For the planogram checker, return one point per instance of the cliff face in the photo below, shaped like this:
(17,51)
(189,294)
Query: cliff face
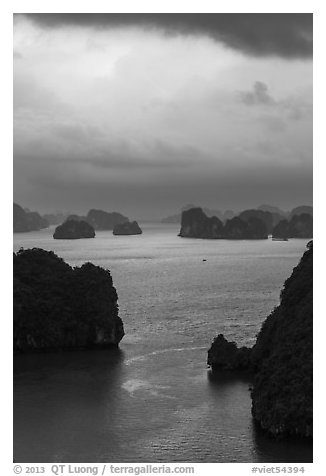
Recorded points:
(195,224)
(128,228)
(281,360)
(251,229)
(266,217)
(27,221)
(225,355)
(208,212)
(60,307)
(73,230)
(281,230)
(299,226)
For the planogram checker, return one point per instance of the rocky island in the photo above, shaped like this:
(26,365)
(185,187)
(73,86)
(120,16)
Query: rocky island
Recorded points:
(73,230)
(281,231)
(27,221)
(270,219)
(195,224)
(172,219)
(307,209)
(298,226)
(281,361)
(57,307)
(101,220)
(127,228)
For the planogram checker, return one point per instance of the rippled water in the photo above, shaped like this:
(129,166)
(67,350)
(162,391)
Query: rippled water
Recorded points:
(154,400)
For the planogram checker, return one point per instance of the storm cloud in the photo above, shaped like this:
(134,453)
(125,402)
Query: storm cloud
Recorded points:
(285,35)
(259,95)
(144,114)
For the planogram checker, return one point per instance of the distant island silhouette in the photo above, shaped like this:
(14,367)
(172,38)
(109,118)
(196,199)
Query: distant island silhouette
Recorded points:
(26,220)
(176,218)
(100,219)
(195,224)
(253,224)
(73,230)
(127,228)
(298,226)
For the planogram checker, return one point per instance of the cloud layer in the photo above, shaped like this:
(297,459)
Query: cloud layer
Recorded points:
(285,35)
(141,121)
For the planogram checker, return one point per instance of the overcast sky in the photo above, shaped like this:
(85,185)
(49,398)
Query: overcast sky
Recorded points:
(144,113)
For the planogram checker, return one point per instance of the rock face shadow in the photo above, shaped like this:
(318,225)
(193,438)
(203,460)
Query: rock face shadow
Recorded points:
(288,450)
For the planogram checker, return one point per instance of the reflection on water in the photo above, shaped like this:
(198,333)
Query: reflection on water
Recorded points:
(227,377)
(265,448)
(155,400)
(91,406)
(271,450)
(60,400)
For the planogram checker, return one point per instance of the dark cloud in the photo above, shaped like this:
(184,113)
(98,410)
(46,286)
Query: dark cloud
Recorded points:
(293,108)
(146,129)
(287,35)
(259,95)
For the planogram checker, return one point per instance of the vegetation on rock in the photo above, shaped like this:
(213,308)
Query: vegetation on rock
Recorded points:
(27,221)
(281,359)
(60,307)
(195,224)
(302,209)
(268,218)
(101,220)
(299,226)
(127,228)
(225,355)
(73,230)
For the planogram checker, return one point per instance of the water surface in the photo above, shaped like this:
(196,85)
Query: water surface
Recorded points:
(154,400)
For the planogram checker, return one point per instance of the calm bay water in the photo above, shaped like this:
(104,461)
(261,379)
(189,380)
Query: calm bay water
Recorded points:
(154,399)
